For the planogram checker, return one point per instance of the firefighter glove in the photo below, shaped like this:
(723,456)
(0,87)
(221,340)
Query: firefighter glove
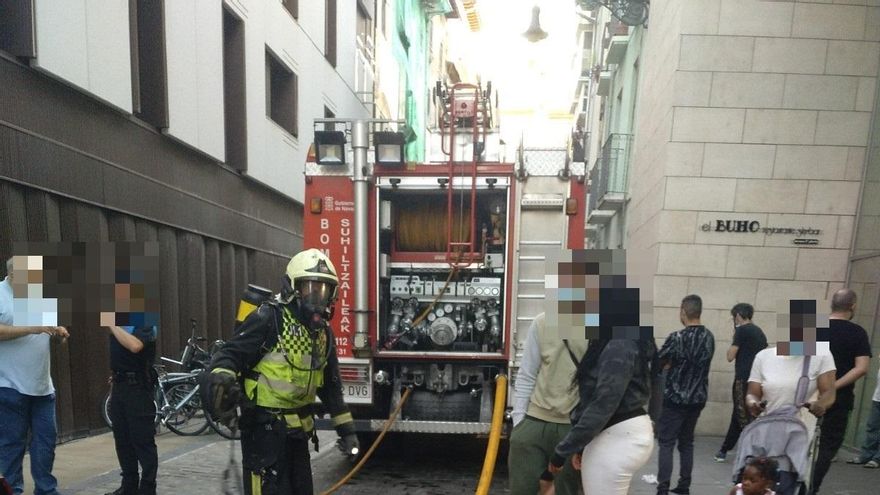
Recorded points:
(349,445)
(221,395)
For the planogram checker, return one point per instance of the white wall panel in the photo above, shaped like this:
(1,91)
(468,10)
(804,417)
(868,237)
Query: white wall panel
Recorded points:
(275,157)
(109,48)
(209,53)
(194,53)
(346,39)
(61,40)
(180,55)
(311,21)
(86,44)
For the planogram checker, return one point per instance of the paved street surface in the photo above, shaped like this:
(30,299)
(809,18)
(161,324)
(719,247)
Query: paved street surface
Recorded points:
(711,478)
(422,465)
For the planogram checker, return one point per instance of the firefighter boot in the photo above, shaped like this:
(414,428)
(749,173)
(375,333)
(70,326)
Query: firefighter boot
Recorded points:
(125,489)
(147,488)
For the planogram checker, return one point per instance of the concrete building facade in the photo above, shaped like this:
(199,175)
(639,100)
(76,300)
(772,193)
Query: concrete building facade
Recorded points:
(185,123)
(750,143)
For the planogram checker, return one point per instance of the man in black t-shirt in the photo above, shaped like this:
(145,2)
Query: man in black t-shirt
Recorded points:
(852,353)
(748,341)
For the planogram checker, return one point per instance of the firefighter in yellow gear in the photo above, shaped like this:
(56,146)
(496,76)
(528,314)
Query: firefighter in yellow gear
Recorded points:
(281,357)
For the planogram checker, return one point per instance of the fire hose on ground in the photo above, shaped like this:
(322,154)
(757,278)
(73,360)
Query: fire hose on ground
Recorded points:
(390,421)
(491,449)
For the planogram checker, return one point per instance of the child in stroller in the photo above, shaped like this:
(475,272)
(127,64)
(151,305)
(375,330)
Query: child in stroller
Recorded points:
(758,477)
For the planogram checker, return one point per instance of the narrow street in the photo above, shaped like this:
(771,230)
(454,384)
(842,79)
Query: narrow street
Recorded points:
(417,465)
(195,465)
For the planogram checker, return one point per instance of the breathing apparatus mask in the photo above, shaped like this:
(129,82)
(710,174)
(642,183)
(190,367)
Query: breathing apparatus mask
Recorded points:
(310,284)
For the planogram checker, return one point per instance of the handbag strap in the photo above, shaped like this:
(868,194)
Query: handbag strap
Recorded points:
(803,384)
(574,358)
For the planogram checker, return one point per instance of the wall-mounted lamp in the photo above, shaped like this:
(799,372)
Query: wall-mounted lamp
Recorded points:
(330,147)
(389,148)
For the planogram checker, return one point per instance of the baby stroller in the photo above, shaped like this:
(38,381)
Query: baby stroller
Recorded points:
(783,436)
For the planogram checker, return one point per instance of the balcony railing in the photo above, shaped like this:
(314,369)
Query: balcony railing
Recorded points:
(594,185)
(608,176)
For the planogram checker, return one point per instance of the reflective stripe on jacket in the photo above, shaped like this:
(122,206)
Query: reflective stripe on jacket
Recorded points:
(289,375)
(254,350)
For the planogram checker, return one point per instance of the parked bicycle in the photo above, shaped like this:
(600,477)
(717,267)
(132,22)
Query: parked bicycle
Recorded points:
(177,401)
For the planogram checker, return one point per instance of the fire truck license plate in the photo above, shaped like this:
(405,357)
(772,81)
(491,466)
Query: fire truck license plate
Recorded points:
(359,391)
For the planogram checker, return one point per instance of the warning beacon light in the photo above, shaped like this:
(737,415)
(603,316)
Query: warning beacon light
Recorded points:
(389,148)
(330,147)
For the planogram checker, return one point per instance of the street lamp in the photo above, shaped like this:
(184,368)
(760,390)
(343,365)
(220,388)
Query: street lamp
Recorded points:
(388,148)
(330,147)
(535,33)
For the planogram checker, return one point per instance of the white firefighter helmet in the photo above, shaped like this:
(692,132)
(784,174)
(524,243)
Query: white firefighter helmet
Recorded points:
(313,276)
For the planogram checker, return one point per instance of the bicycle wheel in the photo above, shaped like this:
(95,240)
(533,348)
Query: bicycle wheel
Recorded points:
(221,429)
(184,414)
(105,409)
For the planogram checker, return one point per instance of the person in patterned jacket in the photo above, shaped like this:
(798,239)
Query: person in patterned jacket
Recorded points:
(686,355)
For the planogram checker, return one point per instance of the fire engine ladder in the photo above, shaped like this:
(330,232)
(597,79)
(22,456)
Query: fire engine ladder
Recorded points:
(541,233)
(530,296)
(465,106)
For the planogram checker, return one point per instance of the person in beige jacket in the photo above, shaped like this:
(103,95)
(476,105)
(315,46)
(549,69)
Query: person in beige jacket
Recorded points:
(542,400)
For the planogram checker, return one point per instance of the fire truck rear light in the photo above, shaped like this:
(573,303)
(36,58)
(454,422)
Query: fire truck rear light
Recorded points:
(571,206)
(315,205)
(354,373)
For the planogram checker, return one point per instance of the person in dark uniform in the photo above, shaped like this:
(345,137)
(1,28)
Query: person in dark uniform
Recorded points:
(282,356)
(132,410)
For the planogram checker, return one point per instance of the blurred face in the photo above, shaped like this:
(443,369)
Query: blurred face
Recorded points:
(578,294)
(573,295)
(26,276)
(575,283)
(753,483)
(129,298)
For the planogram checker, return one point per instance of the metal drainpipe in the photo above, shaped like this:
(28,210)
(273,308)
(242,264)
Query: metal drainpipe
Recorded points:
(360,142)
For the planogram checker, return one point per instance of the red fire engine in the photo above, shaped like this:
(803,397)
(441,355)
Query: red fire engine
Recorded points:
(440,263)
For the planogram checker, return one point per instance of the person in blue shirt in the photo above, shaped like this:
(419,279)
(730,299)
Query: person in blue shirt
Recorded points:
(132,411)
(27,395)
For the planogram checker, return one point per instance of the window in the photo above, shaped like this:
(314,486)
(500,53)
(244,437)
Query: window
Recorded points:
(281,94)
(16,28)
(363,26)
(149,94)
(292,6)
(384,19)
(234,111)
(328,114)
(330,31)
